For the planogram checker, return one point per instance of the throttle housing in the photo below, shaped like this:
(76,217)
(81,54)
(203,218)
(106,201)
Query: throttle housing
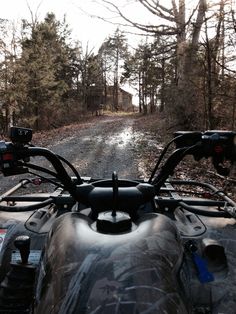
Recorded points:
(9,160)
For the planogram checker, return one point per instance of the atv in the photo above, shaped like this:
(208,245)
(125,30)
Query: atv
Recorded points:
(102,246)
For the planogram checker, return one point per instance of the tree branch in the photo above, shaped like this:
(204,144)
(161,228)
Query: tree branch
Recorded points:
(175,10)
(200,17)
(157,10)
(160,29)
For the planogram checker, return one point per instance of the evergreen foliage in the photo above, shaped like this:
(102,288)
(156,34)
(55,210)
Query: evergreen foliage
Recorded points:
(44,73)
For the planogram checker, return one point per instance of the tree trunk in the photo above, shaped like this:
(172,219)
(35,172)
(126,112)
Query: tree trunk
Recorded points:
(140,91)
(162,105)
(212,53)
(116,78)
(186,99)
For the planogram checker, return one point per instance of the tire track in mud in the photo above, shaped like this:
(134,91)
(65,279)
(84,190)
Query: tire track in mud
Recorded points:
(105,145)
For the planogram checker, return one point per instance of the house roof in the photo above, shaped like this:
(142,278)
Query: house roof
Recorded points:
(121,89)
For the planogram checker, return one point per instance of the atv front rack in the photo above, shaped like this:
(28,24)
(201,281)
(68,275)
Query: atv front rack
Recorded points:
(199,198)
(196,197)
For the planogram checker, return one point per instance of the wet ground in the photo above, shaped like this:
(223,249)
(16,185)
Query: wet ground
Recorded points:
(96,148)
(107,145)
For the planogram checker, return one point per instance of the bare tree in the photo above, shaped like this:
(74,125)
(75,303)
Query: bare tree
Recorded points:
(173,20)
(212,53)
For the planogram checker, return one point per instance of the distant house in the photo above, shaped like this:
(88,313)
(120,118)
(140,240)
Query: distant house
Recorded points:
(96,98)
(124,99)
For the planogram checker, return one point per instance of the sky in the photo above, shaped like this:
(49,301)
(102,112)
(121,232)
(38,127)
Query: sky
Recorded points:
(89,30)
(85,28)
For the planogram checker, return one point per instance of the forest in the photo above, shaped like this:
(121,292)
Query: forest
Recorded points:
(183,68)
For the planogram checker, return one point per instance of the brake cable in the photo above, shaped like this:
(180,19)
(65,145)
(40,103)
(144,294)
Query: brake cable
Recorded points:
(169,166)
(47,179)
(161,157)
(39,168)
(80,181)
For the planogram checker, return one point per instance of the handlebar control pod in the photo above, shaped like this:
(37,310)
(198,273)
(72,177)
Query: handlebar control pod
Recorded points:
(9,160)
(220,145)
(11,154)
(211,143)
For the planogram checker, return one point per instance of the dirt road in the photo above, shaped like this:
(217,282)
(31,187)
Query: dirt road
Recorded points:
(96,148)
(104,146)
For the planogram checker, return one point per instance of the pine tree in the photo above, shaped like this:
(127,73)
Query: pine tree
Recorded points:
(44,73)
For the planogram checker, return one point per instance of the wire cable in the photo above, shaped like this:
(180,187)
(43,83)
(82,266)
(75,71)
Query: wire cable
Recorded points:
(47,179)
(161,157)
(80,181)
(203,212)
(38,168)
(26,208)
(174,159)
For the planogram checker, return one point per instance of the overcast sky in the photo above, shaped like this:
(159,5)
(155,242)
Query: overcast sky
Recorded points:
(84,27)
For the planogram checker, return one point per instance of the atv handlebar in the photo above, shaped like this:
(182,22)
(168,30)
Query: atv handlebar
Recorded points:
(220,145)
(98,197)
